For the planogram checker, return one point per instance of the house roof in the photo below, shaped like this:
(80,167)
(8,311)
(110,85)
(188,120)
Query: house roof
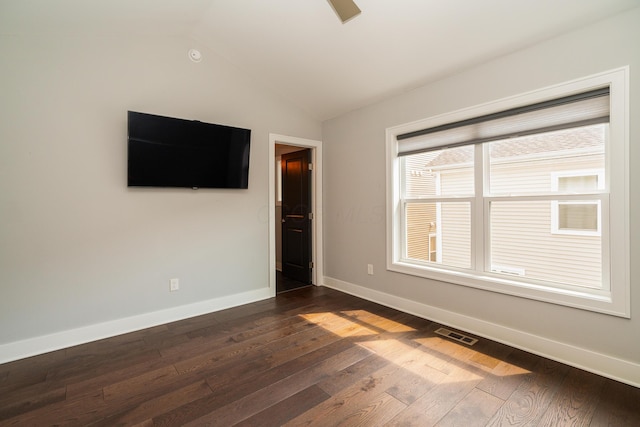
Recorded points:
(300,49)
(587,139)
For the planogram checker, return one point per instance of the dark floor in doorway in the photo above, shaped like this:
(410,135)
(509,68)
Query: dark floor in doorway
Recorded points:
(284,284)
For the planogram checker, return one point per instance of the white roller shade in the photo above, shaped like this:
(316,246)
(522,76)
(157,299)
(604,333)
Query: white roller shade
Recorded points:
(571,111)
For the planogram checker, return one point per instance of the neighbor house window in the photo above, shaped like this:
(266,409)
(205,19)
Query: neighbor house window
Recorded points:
(525,196)
(579,218)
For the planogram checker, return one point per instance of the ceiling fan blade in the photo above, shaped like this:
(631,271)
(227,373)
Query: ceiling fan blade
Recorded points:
(345,9)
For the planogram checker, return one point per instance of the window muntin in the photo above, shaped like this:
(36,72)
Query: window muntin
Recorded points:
(611,294)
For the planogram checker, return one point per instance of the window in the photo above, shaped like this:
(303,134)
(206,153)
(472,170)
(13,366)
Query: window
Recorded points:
(519,196)
(580,218)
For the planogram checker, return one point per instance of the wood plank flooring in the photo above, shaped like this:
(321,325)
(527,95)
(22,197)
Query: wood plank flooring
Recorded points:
(309,357)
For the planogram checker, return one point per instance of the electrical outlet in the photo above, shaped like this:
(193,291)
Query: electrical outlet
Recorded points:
(370,269)
(174,285)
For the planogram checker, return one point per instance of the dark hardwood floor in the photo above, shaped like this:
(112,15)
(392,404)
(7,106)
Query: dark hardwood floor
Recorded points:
(312,356)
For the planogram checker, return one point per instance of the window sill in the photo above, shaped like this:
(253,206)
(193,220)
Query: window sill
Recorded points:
(596,300)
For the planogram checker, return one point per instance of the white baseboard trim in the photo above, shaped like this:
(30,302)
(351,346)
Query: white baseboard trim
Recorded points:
(597,363)
(44,344)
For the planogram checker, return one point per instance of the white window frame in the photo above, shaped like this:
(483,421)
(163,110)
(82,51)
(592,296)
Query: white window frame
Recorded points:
(614,297)
(555,221)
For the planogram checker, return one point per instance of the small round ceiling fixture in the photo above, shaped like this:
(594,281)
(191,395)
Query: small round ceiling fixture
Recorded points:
(195,55)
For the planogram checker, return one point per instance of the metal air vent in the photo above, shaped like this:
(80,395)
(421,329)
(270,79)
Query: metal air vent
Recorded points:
(456,336)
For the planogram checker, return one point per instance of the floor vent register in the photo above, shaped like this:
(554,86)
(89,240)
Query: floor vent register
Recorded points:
(456,336)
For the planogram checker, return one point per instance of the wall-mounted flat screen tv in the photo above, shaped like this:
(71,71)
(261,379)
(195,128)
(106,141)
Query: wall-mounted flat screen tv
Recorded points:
(172,152)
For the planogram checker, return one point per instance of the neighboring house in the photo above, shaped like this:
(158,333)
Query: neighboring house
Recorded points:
(550,241)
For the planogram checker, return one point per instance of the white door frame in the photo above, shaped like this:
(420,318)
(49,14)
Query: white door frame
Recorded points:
(317,273)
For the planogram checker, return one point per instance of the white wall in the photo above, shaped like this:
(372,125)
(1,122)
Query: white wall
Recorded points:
(355,200)
(77,247)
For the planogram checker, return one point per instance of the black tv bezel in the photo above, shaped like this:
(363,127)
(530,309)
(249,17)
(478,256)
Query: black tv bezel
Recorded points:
(176,143)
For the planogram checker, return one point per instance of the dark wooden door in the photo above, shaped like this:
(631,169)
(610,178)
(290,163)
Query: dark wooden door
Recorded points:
(296,216)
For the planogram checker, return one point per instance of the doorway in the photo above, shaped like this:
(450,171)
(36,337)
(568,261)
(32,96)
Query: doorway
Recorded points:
(280,145)
(295,202)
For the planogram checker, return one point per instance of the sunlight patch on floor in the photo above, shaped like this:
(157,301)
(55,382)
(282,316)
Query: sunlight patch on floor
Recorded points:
(364,322)
(426,364)
(428,357)
(377,322)
(339,325)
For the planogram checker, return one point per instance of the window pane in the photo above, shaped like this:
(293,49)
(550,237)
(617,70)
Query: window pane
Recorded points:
(439,233)
(525,165)
(445,172)
(578,184)
(578,216)
(522,244)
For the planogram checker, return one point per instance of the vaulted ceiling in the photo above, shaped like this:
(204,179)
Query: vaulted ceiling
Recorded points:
(301,50)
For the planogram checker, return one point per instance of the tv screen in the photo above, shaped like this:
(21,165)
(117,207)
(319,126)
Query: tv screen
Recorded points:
(171,152)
